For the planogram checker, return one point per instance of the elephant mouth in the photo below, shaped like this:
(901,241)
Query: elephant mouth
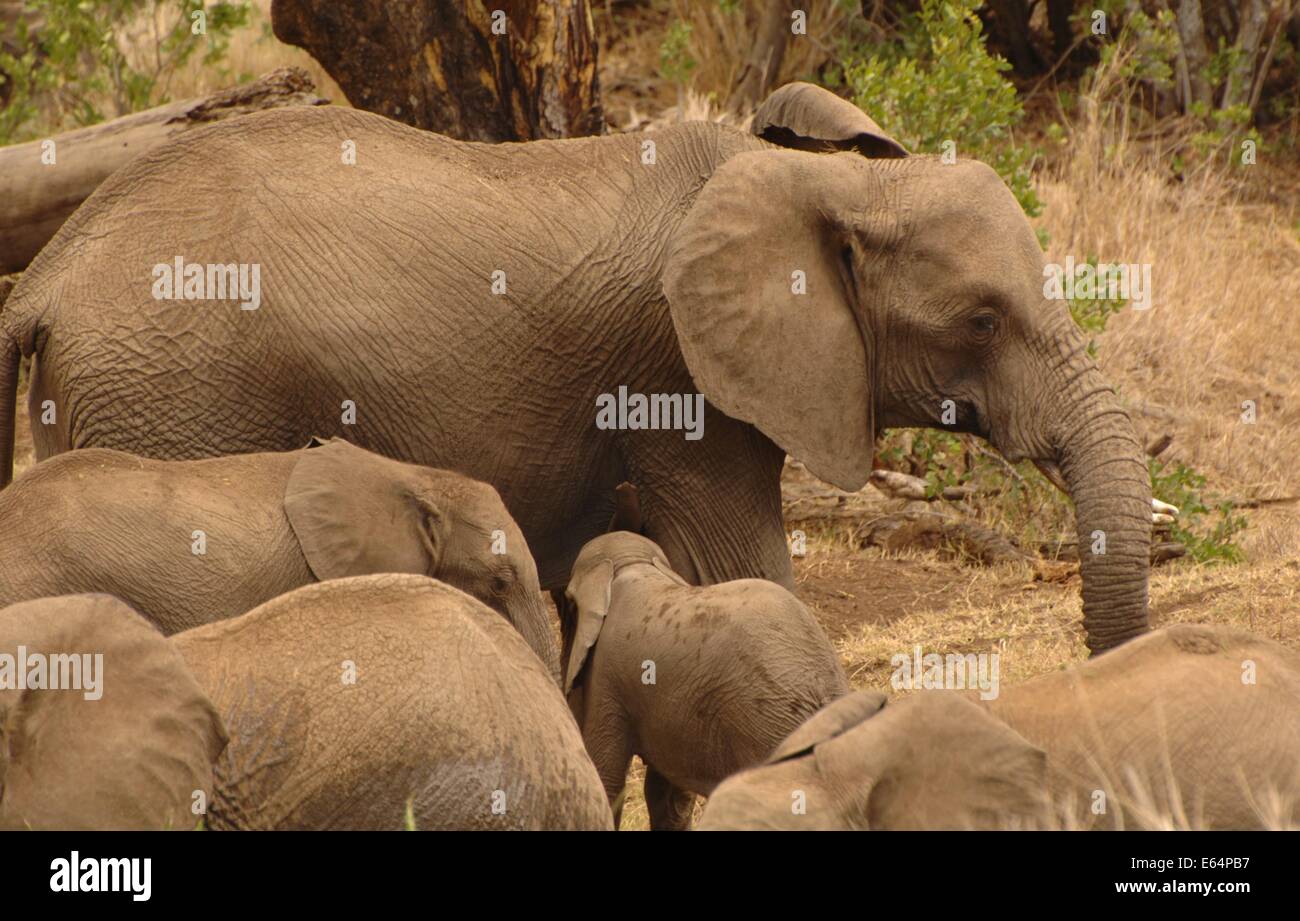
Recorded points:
(1050,470)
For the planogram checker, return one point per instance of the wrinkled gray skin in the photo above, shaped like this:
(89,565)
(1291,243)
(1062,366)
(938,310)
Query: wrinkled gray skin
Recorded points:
(924,284)
(448,711)
(737,668)
(1162,732)
(103,521)
(137,758)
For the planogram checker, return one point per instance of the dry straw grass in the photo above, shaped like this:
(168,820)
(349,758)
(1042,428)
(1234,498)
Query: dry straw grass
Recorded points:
(1226,280)
(721,40)
(253,51)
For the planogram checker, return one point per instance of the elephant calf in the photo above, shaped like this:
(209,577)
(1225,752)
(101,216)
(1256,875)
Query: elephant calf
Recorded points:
(355,703)
(102,726)
(1190,726)
(186,543)
(699,682)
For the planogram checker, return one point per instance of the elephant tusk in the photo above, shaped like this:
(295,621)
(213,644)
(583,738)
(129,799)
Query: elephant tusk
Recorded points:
(1161,512)
(1163,508)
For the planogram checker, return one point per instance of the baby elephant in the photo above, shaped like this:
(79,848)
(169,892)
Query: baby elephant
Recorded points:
(699,682)
(1189,726)
(102,726)
(381,701)
(187,543)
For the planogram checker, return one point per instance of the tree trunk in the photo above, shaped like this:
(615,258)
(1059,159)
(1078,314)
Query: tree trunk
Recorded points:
(511,70)
(1250,35)
(1278,20)
(1058,20)
(1010,29)
(759,74)
(39,196)
(1191,33)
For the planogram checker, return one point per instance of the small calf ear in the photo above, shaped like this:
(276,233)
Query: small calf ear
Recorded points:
(832,720)
(356,513)
(589,591)
(806,117)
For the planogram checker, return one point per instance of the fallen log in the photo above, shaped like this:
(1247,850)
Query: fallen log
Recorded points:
(919,527)
(43,182)
(895,513)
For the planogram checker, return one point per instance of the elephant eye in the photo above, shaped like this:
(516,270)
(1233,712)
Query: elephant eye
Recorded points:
(501,582)
(984,324)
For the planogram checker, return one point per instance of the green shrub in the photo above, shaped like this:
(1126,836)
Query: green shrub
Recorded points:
(1091,314)
(75,64)
(1206,541)
(676,64)
(936,82)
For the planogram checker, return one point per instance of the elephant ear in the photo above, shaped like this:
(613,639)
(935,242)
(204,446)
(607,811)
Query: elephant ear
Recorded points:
(807,117)
(832,720)
(589,593)
(765,344)
(355,513)
(939,760)
(127,745)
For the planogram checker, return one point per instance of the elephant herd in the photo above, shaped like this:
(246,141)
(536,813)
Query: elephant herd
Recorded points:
(282,560)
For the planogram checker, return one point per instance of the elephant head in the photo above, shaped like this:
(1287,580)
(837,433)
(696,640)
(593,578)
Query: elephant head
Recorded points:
(591,589)
(126,740)
(355,513)
(935,760)
(834,286)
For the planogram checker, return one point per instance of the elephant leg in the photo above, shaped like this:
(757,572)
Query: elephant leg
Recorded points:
(713,505)
(670,807)
(611,752)
(614,780)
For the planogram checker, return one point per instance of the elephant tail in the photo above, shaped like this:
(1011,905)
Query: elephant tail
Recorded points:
(10,359)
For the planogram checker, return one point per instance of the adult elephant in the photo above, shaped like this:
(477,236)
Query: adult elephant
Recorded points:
(465,306)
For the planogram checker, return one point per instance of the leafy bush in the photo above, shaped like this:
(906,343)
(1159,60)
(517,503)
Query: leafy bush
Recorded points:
(676,64)
(936,82)
(1090,314)
(1140,61)
(1206,542)
(76,64)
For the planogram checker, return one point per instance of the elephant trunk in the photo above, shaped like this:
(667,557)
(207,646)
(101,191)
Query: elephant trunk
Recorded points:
(1104,470)
(533,621)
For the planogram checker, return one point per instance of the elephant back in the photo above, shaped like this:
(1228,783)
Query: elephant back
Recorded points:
(382,701)
(106,728)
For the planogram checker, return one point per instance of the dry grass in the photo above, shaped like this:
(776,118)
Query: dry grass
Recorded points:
(721,40)
(630,38)
(1221,330)
(253,51)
